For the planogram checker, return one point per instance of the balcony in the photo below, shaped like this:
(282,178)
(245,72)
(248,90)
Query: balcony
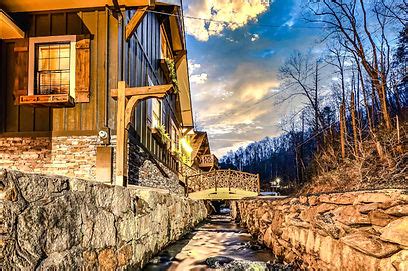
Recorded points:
(208,161)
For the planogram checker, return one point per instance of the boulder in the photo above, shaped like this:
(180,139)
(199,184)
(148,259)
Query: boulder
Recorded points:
(397,232)
(400,260)
(379,218)
(370,244)
(350,216)
(399,210)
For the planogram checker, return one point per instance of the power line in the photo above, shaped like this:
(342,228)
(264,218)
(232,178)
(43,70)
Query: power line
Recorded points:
(230,22)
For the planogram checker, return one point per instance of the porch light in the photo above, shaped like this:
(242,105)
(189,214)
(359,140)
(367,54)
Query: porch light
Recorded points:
(186,146)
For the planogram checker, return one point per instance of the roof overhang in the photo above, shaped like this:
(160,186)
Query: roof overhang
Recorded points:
(46,5)
(8,29)
(184,92)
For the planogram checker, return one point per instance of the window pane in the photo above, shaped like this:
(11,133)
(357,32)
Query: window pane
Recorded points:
(45,79)
(54,64)
(65,78)
(64,50)
(64,63)
(43,51)
(64,89)
(54,51)
(43,64)
(55,79)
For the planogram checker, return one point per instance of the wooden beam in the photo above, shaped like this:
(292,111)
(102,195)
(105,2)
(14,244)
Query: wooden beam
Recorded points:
(135,21)
(121,137)
(124,117)
(150,90)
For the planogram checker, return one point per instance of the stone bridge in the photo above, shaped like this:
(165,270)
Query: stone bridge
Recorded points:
(222,185)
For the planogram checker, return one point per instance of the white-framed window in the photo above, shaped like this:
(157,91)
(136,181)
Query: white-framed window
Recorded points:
(156,113)
(174,135)
(52,65)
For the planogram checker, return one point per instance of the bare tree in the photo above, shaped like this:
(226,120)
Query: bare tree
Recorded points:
(350,21)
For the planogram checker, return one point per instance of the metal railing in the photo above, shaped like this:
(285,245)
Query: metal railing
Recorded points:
(223,178)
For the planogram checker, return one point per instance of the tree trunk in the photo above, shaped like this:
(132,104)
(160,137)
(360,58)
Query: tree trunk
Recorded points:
(342,131)
(354,123)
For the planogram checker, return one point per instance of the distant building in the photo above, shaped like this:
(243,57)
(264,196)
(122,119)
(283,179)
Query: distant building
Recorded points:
(61,62)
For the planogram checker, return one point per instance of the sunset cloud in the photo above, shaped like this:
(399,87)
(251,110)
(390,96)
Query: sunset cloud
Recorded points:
(238,13)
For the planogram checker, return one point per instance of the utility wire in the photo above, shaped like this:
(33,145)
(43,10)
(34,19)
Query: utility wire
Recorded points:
(229,22)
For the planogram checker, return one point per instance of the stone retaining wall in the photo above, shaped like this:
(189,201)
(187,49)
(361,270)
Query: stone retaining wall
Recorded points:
(345,231)
(57,223)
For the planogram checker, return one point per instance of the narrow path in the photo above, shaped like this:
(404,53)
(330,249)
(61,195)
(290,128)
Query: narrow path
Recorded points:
(214,243)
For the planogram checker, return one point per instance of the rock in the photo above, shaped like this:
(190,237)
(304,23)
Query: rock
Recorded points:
(90,260)
(350,216)
(107,260)
(366,208)
(241,265)
(397,232)
(303,200)
(400,260)
(104,230)
(373,197)
(370,244)
(379,218)
(313,200)
(266,218)
(340,199)
(218,261)
(125,254)
(399,210)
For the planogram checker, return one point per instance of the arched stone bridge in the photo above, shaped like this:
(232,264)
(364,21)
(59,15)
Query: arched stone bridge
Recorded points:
(222,185)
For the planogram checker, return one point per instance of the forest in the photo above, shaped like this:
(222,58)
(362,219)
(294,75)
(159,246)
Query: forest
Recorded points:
(351,133)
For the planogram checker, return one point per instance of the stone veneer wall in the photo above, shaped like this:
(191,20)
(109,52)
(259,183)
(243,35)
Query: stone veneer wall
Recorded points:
(345,231)
(75,156)
(72,156)
(143,171)
(57,223)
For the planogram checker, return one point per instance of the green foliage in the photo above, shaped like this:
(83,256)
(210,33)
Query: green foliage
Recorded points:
(173,75)
(162,131)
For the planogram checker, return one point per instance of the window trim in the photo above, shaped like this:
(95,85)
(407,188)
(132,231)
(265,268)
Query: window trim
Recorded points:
(32,59)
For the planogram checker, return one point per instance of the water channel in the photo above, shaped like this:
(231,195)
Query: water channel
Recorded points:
(216,244)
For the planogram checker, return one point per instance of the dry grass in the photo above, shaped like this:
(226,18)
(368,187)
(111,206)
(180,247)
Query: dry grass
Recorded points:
(380,162)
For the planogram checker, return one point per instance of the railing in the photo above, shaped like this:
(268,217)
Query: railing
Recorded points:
(223,178)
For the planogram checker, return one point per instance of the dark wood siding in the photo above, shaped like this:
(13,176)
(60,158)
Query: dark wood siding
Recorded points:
(142,56)
(84,117)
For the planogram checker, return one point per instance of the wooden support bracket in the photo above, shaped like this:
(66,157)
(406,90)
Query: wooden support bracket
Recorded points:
(135,21)
(124,116)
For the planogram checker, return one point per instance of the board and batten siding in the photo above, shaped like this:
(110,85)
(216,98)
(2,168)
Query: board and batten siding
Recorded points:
(142,61)
(84,118)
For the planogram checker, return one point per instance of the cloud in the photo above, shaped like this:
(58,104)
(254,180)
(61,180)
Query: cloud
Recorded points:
(198,78)
(254,37)
(238,12)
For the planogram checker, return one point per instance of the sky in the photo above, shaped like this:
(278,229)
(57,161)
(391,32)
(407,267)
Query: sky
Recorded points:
(234,67)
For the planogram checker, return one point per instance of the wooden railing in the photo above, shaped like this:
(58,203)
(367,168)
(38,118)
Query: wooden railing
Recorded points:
(223,178)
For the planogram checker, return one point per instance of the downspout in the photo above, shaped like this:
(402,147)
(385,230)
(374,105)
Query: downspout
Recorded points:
(107,16)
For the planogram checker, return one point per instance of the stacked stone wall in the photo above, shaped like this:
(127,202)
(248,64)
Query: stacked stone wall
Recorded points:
(344,231)
(57,223)
(72,156)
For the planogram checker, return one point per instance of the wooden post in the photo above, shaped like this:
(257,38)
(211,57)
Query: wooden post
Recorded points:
(229,179)
(216,181)
(121,142)
(259,184)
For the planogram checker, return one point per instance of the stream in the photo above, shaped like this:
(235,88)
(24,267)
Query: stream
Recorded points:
(216,244)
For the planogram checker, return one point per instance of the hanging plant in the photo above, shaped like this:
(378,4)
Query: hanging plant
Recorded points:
(164,135)
(173,75)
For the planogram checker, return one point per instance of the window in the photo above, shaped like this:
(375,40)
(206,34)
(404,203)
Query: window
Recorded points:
(174,137)
(156,112)
(52,69)
(52,63)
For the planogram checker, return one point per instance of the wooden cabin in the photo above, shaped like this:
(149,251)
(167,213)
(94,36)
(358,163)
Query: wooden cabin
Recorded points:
(61,64)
